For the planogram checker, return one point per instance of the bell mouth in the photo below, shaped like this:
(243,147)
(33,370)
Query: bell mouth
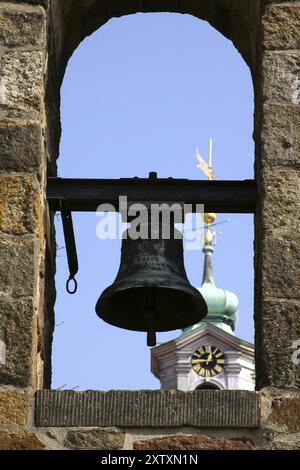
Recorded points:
(166,308)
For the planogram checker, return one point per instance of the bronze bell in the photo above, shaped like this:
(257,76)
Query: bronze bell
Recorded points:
(151,291)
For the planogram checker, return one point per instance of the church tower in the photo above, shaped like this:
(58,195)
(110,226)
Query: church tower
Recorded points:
(207,355)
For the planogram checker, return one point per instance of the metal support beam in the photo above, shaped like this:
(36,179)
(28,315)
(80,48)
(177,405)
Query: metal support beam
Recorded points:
(88,194)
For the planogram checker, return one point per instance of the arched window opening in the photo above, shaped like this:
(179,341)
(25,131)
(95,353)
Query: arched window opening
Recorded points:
(208,386)
(138,96)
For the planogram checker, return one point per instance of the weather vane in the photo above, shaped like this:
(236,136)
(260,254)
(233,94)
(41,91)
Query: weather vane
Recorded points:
(207,169)
(209,218)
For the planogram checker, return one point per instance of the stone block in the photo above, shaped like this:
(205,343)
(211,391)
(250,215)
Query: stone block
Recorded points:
(286,441)
(20,206)
(277,328)
(22,25)
(18,333)
(22,80)
(280,135)
(280,2)
(14,407)
(193,442)
(104,439)
(281,267)
(19,440)
(18,267)
(286,413)
(281,75)
(280,205)
(281,27)
(21,146)
(147,408)
(278,260)
(44,3)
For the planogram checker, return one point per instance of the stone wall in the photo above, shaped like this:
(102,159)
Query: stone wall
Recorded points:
(37,37)
(23,164)
(273,424)
(277,268)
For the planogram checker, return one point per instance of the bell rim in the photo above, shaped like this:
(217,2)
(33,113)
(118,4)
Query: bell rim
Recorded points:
(102,304)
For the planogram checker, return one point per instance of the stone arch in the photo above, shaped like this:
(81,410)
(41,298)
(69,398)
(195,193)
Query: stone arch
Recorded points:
(212,384)
(72,21)
(181,18)
(268,41)
(208,386)
(235,19)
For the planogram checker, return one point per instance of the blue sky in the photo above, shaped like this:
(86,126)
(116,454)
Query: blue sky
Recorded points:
(139,95)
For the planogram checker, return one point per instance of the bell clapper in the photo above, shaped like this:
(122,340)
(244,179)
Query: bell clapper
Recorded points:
(151,334)
(151,313)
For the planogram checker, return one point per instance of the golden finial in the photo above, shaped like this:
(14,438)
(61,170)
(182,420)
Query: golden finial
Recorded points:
(209,218)
(208,237)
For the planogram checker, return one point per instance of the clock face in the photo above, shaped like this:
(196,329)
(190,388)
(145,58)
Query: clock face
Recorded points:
(208,361)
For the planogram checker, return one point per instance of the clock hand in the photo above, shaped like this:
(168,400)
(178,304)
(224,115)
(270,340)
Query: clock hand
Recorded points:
(196,361)
(209,359)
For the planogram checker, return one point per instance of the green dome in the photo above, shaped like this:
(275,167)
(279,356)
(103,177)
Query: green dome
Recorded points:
(222,305)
